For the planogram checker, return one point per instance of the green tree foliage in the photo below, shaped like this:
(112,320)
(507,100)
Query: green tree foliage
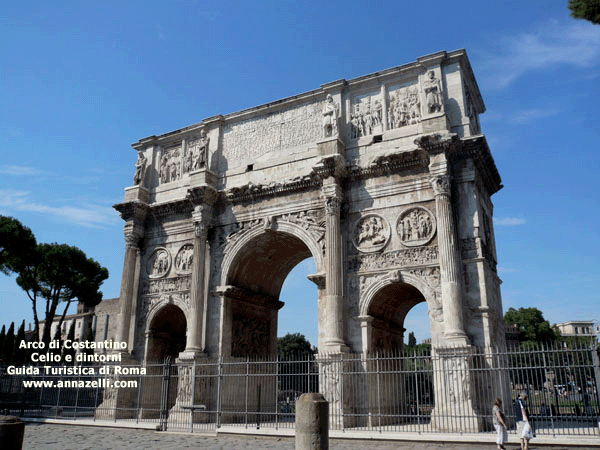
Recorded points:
(293,345)
(2,336)
(412,340)
(297,368)
(59,274)
(585,9)
(9,345)
(533,328)
(19,353)
(17,243)
(51,273)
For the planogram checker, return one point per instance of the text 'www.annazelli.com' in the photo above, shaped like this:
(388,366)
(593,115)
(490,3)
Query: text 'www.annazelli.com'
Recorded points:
(99,383)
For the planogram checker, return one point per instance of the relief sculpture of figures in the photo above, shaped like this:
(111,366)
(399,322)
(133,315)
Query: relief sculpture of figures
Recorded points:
(330,117)
(158,263)
(433,93)
(371,233)
(170,166)
(199,156)
(416,226)
(184,258)
(365,118)
(404,108)
(140,169)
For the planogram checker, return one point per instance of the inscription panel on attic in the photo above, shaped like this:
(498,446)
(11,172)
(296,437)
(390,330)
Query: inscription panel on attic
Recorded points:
(255,137)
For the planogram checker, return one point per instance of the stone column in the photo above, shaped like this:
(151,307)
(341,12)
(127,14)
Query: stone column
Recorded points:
(133,233)
(334,300)
(450,266)
(195,342)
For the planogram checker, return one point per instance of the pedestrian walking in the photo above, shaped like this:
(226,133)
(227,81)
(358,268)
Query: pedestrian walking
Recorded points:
(524,430)
(499,424)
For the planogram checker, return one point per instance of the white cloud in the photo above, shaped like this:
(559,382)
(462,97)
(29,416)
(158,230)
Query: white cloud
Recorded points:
(529,115)
(86,214)
(576,43)
(21,170)
(509,221)
(506,269)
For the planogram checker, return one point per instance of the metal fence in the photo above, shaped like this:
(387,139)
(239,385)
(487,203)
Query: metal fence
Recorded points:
(450,391)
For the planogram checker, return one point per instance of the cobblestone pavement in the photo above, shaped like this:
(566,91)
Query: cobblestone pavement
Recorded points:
(39,436)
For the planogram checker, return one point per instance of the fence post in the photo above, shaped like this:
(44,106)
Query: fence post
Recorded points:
(219,390)
(312,422)
(596,362)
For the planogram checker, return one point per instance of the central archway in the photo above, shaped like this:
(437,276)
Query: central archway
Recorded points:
(252,280)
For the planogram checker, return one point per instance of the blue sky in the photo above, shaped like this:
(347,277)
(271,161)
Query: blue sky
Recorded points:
(81,81)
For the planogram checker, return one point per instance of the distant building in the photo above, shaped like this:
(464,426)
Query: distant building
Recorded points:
(511,332)
(577,328)
(102,318)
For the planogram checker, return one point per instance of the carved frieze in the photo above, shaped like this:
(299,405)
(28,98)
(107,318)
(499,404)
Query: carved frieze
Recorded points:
(158,263)
(404,107)
(170,165)
(164,285)
(250,336)
(251,191)
(371,233)
(416,226)
(367,115)
(419,256)
(184,259)
(257,136)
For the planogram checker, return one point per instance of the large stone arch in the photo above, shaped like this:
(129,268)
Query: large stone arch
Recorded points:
(252,274)
(397,193)
(232,251)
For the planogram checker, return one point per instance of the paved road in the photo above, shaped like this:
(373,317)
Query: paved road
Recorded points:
(39,436)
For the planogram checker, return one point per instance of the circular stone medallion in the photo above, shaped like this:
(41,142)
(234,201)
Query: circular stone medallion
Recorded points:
(159,263)
(184,259)
(371,233)
(416,226)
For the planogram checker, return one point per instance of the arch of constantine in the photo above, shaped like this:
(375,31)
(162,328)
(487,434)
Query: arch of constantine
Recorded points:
(384,180)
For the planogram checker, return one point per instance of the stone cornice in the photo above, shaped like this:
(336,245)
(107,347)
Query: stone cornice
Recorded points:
(248,296)
(202,195)
(390,163)
(251,191)
(171,208)
(476,147)
(437,142)
(135,211)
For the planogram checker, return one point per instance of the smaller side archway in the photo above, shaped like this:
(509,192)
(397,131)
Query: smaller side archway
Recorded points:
(385,304)
(166,333)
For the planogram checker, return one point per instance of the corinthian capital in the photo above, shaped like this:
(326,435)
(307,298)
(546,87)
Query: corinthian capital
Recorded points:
(333,205)
(440,184)
(333,198)
(133,233)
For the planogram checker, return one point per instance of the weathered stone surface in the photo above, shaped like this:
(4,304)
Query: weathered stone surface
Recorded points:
(384,180)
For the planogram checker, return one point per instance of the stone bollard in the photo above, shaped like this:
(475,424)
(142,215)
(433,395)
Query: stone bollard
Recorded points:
(12,431)
(312,422)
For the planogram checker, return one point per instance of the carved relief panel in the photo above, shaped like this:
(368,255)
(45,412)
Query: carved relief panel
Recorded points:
(416,226)
(158,263)
(184,259)
(196,155)
(371,233)
(170,164)
(404,106)
(366,115)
